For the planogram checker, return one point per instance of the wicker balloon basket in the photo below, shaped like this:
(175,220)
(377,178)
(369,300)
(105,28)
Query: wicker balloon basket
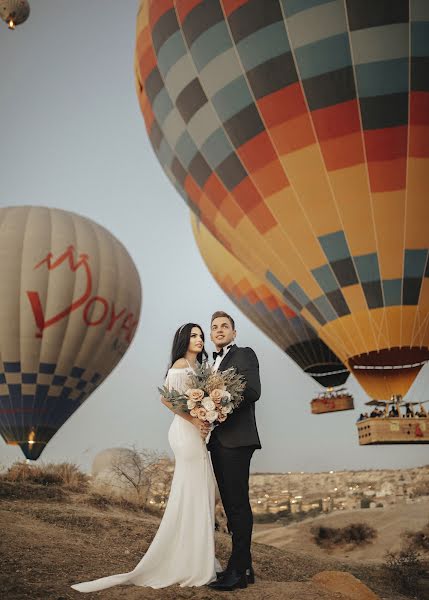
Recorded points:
(334,404)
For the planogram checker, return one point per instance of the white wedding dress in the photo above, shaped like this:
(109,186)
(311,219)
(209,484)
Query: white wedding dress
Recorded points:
(182,551)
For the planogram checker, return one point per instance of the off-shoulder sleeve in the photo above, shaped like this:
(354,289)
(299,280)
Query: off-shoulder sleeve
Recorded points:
(177,379)
(167,380)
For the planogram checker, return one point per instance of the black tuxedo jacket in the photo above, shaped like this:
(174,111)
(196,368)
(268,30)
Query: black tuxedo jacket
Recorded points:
(240,429)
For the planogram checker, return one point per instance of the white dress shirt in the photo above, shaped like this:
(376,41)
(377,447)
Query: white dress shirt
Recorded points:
(219,359)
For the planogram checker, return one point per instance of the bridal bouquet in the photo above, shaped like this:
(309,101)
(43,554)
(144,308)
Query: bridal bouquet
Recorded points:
(210,396)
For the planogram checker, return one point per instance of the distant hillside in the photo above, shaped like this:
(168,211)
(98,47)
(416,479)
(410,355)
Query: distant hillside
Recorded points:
(389,522)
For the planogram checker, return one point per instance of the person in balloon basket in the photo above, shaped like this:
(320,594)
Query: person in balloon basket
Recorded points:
(231,446)
(183,549)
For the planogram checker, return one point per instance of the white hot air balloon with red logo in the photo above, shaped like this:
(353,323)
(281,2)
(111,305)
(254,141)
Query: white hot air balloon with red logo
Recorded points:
(69,308)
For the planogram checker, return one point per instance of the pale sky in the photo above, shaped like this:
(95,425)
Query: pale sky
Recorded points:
(72,137)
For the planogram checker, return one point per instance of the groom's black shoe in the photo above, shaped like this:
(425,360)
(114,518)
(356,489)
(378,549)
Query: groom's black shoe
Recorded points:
(230,580)
(250,574)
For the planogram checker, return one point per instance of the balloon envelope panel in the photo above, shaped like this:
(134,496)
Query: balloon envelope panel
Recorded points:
(266,308)
(69,308)
(299,132)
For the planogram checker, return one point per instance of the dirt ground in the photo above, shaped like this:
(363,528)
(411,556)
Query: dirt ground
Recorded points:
(51,539)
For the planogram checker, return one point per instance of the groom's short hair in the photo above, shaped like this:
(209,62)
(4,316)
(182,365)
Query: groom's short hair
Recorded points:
(221,313)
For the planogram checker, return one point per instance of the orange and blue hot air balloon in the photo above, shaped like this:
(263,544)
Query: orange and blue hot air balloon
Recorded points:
(69,308)
(266,309)
(298,131)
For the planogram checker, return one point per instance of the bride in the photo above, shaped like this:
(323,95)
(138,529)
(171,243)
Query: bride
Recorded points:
(182,551)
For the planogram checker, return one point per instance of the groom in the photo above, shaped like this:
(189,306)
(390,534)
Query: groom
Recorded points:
(231,445)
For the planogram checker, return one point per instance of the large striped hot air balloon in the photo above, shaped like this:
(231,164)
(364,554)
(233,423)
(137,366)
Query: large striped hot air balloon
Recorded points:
(266,308)
(299,132)
(69,308)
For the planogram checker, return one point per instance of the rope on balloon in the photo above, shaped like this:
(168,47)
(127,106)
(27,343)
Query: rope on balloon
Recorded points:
(327,373)
(390,367)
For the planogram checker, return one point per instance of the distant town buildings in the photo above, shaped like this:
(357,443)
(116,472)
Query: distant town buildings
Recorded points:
(283,494)
(295,495)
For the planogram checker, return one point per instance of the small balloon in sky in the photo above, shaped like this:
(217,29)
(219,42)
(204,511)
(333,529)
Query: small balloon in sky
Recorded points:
(14,12)
(69,308)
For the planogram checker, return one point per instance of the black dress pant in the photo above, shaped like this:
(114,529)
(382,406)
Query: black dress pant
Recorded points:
(231,467)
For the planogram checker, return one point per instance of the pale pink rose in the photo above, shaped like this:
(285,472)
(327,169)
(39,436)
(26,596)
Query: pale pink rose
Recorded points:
(193,412)
(195,395)
(221,418)
(201,413)
(216,395)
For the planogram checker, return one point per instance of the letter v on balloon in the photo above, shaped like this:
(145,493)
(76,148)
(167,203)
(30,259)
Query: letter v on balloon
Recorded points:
(72,291)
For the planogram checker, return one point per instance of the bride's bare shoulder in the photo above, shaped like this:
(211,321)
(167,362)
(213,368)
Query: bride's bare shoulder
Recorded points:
(181,363)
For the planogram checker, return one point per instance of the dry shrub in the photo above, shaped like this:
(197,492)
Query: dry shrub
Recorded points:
(405,568)
(69,519)
(99,501)
(154,510)
(421,489)
(21,472)
(62,474)
(418,540)
(105,500)
(127,504)
(355,534)
(21,490)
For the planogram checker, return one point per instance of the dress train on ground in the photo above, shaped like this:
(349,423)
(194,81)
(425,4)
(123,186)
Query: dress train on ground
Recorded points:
(182,551)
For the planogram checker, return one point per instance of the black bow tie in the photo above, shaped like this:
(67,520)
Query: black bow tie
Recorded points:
(216,354)
(221,352)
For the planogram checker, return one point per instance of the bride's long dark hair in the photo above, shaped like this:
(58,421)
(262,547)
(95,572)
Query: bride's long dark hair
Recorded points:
(181,341)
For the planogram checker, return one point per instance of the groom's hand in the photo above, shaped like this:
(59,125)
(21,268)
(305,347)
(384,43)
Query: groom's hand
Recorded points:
(202,426)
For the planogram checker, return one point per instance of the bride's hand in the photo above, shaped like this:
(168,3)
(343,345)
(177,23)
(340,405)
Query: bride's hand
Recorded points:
(202,426)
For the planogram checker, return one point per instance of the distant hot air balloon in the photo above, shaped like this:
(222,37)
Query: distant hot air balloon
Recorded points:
(69,308)
(266,308)
(14,12)
(299,131)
